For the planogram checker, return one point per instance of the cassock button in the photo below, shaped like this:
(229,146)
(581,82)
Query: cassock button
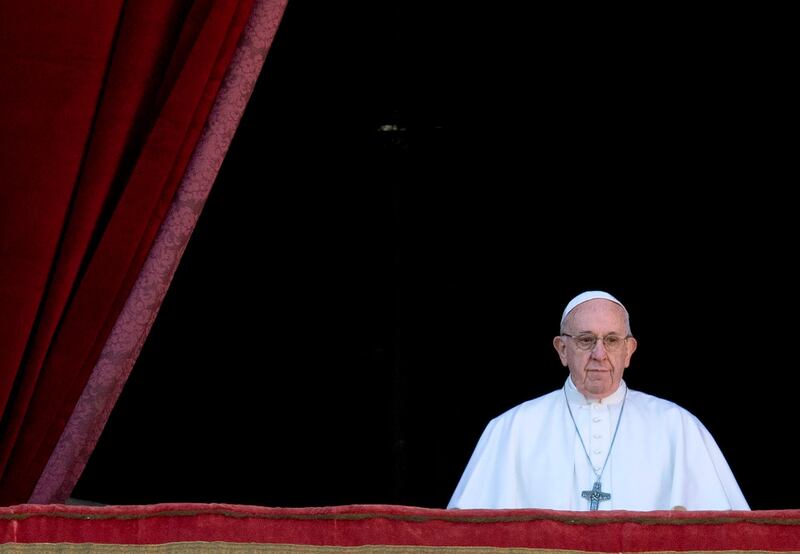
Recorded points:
(597,451)
(597,436)
(597,419)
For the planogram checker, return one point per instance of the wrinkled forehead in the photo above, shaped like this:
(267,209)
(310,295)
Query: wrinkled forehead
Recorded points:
(598,313)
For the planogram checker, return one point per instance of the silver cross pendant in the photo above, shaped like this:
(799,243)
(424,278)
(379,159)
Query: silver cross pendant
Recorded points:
(595,496)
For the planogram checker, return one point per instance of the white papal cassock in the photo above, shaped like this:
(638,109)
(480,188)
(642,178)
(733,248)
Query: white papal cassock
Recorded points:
(663,457)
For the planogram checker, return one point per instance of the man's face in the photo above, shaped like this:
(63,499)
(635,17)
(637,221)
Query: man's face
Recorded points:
(596,371)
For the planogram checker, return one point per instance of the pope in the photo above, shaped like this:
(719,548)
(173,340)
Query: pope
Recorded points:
(595,444)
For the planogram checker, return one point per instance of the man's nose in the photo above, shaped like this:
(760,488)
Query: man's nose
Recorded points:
(599,349)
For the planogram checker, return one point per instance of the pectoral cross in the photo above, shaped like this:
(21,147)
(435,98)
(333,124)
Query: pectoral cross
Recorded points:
(595,496)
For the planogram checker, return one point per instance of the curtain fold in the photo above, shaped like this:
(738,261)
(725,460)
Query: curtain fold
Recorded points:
(110,98)
(50,84)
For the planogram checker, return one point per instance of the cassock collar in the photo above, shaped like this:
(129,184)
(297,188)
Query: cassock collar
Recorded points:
(577,398)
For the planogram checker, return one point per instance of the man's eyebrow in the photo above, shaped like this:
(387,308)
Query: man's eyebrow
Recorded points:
(578,333)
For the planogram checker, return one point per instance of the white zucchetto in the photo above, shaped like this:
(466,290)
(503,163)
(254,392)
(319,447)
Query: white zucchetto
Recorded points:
(585,297)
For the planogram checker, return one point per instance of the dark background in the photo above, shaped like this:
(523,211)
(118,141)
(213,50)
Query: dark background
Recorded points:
(415,191)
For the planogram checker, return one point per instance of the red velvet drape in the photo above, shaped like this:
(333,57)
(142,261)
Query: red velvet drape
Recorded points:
(101,105)
(381,529)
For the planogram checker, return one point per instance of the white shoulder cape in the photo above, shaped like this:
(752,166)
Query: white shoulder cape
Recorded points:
(663,457)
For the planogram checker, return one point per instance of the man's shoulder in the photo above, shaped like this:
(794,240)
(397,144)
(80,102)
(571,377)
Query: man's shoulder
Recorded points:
(652,403)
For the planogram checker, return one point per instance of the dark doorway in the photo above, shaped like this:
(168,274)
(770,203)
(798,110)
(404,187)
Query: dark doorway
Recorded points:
(412,196)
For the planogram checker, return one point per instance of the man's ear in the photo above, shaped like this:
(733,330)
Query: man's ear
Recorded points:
(561,347)
(631,346)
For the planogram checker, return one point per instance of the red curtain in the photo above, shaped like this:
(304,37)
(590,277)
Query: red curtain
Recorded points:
(101,105)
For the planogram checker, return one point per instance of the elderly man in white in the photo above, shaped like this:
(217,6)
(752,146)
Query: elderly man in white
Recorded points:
(595,444)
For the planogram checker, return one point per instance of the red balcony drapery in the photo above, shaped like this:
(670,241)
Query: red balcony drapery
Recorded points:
(380,528)
(102,104)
